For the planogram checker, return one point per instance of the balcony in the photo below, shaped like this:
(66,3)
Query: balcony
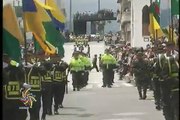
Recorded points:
(126,17)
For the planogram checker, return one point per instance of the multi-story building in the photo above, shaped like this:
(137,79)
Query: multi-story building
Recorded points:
(130,17)
(140,23)
(124,18)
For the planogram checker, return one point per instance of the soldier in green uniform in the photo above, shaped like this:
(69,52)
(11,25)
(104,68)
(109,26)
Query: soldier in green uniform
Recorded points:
(156,83)
(165,84)
(173,66)
(170,85)
(141,71)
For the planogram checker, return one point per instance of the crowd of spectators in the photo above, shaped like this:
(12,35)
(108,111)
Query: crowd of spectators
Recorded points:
(101,14)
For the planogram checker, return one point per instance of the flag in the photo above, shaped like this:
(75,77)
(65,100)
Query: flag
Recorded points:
(154,8)
(165,13)
(56,14)
(31,18)
(12,36)
(175,7)
(154,27)
(33,23)
(53,36)
(168,32)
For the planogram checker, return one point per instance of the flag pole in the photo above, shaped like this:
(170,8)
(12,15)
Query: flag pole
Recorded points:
(151,19)
(24,33)
(172,29)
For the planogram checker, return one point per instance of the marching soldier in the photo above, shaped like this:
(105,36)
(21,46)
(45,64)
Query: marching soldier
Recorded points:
(140,70)
(13,80)
(59,82)
(76,67)
(156,83)
(33,76)
(173,66)
(108,63)
(87,64)
(46,89)
(169,85)
(94,62)
(165,85)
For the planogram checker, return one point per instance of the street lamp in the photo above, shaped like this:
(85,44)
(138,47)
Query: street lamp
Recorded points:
(70,15)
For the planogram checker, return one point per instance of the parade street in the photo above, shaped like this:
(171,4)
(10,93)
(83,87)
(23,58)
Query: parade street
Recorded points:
(121,102)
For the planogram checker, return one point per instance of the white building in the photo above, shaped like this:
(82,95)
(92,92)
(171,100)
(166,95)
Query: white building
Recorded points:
(124,18)
(130,19)
(137,38)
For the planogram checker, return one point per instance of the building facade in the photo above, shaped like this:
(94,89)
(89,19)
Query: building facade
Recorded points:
(139,28)
(124,18)
(130,15)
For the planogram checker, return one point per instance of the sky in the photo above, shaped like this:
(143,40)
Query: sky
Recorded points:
(84,5)
(90,5)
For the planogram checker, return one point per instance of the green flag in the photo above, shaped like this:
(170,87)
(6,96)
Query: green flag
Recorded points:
(174,7)
(154,8)
(53,36)
(12,36)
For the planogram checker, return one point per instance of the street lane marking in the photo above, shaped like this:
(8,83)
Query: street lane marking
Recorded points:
(122,119)
(130,114)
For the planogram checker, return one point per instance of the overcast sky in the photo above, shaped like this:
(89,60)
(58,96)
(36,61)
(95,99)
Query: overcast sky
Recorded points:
(90,5)
(85,5)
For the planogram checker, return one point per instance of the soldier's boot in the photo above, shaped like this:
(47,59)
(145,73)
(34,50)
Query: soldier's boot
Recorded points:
(140,92)
(56,110)
(49,111)
(140,95)
(74,88)
(78,88)
(158,104)
(43,117)
(158,107)
(144,94)
(61,106)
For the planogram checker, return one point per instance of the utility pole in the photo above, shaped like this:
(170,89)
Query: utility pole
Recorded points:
(70,17)
(98,5)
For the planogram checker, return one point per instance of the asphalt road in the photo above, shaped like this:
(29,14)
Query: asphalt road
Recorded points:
(96,103)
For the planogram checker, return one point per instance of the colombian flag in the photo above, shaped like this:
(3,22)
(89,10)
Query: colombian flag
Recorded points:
(33,23)
(56,14)
(53,36)
(12,36)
